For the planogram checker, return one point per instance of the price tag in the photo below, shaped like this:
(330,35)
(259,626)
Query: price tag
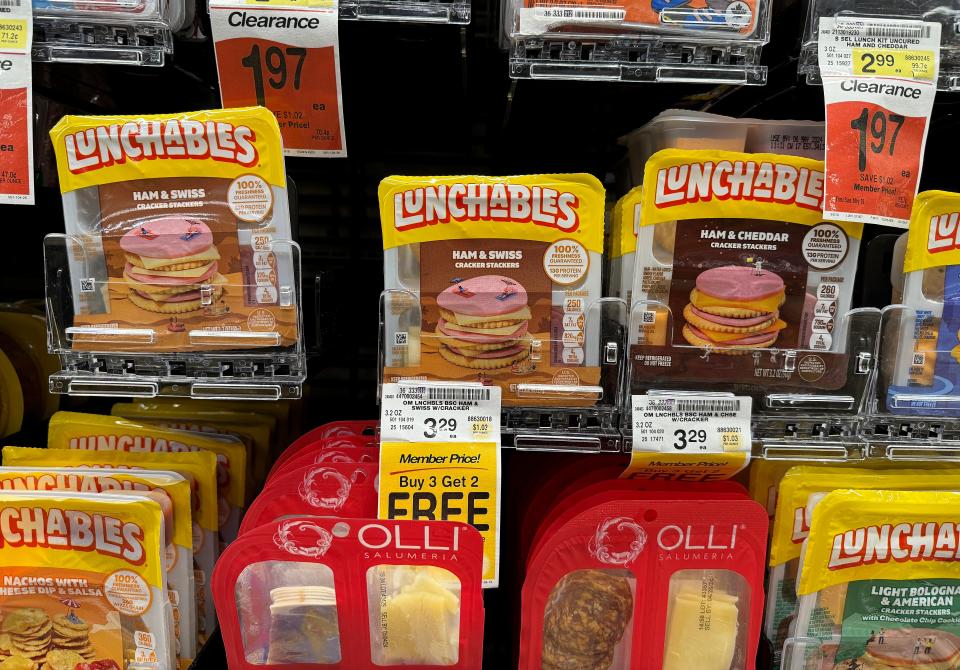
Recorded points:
(690,437)
(16,101)
(879,82)
(440,412)
(284,55)
(446,481)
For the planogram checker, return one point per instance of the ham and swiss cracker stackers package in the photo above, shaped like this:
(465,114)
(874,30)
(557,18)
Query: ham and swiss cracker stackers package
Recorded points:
(83,584)
(651,583)
(178,240)
(93,432)
(738,279)
(791,526)
(878,582)
(920,340)
(352,594)
(495,279)
(199,467)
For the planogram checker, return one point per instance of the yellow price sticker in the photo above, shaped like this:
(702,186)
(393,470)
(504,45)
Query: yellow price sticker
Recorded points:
(893,63)
(448,481)
(13,33)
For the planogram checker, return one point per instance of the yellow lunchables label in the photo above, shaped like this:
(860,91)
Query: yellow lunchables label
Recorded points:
(627,217)
(889,535)
(687,184)
(934,236)
(791,522)
(543,208)
(226,143)
(94,432)
(447,482)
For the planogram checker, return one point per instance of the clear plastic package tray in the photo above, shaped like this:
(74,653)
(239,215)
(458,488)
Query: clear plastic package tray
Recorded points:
(755,292)
(177,273)
(133,32)
(717,41)
(906,14)
(418,11)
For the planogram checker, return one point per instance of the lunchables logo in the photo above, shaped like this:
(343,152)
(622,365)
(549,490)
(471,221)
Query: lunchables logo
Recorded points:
(176,139)
(922,541)
(517,203)
(71,482)
(944,232)
(801,525)
(765,181)
(71,530)
(142,443)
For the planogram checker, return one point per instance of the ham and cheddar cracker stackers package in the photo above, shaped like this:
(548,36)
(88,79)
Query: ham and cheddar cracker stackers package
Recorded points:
(93,432)
(200,467)
(879,582)
(179,546)
(734,266)
(791,526)
(623,244)
(82,582)
(345,490)
(649,584)
(178,232)
(495,279)
(353,594)
(922,339)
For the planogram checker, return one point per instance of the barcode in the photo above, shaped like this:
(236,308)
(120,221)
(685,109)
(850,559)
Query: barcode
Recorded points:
(582,14)
(708,405)
(899,32)
(453,393)
(9,3)
(919,358)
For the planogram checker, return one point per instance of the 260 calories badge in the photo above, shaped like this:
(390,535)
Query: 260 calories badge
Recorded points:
(879,81)
(284,55)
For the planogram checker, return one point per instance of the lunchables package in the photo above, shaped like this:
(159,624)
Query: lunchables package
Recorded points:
(23,339)
(11,398)
(352,593)
(878,582)
(178,232)
(344,490)
(200,467)
(494,279)
(82,582)
(179,545)
(629,582)
(791,526)
(254,430)
(74,430)
(924,338)
(623,247)
(734,265)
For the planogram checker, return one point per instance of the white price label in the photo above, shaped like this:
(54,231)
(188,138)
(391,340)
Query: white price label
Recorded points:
(691,424)
(440,411)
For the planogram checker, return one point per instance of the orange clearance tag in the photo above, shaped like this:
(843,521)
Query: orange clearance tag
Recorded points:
(879,81)
(16,104)
(284,55)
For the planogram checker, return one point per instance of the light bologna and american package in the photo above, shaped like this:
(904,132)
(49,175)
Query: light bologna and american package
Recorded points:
(492,279)
(179,231)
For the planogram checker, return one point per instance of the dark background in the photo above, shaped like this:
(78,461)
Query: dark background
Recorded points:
(420,99)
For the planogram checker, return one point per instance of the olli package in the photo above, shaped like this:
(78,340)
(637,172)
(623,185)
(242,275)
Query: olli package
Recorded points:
(735,264)
(353,434)
(179,231)
(84,582)
(654,583)
(354,594)
(494,279)
(325,456)
(926,376)
(200,467)
(878,582)
(345,490)
(178,554)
